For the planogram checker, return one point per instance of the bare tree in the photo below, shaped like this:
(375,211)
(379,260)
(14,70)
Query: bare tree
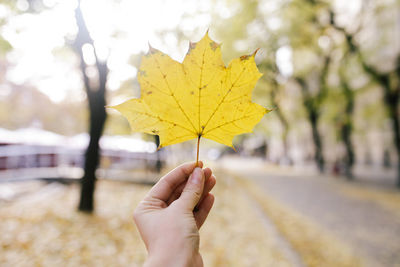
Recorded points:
(95,92)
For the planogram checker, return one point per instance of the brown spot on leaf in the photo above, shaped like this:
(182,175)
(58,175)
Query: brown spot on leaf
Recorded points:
(214,45)
(191,92)
(245,57)
(191,47)
(149,92)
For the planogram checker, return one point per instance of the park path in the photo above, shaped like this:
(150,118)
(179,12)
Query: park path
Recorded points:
(371,229)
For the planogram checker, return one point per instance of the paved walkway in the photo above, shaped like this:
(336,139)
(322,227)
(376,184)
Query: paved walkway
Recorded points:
(372,230)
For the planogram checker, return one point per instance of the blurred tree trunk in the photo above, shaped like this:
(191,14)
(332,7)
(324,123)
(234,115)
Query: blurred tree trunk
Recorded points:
(270,75)
(392,102)
(312,104)
(313,117)
(96,100)
(389,82)
(347,125)
(282,119)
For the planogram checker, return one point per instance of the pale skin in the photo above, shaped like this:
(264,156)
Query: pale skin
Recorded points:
(171,214)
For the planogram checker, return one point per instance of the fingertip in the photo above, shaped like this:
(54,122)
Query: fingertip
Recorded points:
(212,181)
(209,185)
(212,200)
(207,173)
(209,202)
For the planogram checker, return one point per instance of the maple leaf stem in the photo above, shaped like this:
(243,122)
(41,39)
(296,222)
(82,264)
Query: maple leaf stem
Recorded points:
(198,148)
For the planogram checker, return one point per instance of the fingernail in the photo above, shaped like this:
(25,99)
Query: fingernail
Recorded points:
(197,176)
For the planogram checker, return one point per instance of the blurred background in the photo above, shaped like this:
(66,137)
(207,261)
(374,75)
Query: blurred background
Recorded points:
(316,184)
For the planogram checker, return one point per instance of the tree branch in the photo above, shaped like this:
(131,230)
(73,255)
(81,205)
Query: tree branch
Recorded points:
(354,48)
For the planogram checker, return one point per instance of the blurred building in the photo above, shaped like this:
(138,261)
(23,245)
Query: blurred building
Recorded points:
(37,148)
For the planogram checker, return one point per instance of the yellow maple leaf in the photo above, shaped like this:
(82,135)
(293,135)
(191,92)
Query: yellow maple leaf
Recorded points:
(199,97)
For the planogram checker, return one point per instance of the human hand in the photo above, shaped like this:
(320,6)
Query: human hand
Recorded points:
(170,215)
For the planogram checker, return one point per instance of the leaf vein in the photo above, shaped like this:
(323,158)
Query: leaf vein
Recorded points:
(173,95)
(229,122)
(163,120)
(220,103)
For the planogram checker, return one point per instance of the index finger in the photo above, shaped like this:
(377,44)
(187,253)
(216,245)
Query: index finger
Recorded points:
(167,184)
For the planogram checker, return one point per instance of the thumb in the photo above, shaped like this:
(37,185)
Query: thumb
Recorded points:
(193,190)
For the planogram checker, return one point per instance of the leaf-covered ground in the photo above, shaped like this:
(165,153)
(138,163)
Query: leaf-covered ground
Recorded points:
(42,228)
(39,225)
